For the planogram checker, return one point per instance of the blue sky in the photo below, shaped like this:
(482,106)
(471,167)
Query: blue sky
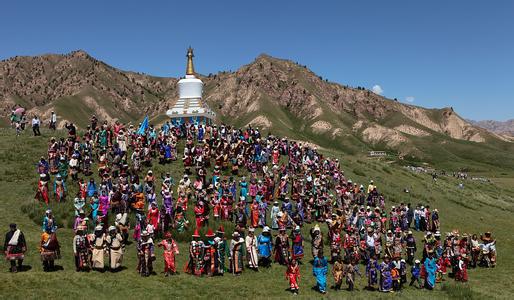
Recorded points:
(430,53)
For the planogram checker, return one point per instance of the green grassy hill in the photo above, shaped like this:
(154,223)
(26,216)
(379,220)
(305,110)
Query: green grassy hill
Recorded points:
(480,206)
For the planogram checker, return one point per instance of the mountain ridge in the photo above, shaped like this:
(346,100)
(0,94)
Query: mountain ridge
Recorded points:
(279,95)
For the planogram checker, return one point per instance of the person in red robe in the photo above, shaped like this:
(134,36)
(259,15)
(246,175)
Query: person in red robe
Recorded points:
(199,214)
(254,213)
(293,275)
(170,250)
(153,216)
(42,189)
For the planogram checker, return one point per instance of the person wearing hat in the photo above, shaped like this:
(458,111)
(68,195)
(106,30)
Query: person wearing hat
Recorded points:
(114,242)
(372,269)
(316,240)
(145,254)
(80,220)
(251,249)
(98,251)
(220,246)
(42,189)
(53,121)
(236,254)
(410,243)
(209,257)
(81,249)
(196,254)
(15,247)
(170,248)
(49,223)
(265,247)
(386,279)
(297,244)
(415,272)
(430,266)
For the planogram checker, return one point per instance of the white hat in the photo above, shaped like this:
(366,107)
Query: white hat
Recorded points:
(98,227)
(417,261)
(265,229)
(297,228)
(251,229)
(111,228)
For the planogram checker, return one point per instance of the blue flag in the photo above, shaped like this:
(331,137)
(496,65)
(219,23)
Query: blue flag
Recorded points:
(143,127)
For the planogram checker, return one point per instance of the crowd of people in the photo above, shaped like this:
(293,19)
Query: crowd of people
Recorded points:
(273,190)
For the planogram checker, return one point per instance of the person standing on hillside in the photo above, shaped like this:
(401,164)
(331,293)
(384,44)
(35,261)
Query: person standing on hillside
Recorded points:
(251,249)
(15,247)
(53,121)
(35,125)
(320,270)
(170,250)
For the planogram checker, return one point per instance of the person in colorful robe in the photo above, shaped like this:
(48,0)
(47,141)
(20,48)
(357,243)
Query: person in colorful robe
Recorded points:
(42,189)
(297,244)
(338,273)
(282,247)
(236,254)
(416,274)
(146,254)
(319,271)
(153,216)
(49,223)
(49,249)
(81,249)
(209,259)
(443,263)
(372,269)
(220,245)
(293,275)
(251,249)
(180,222)
(386,280)
(195,263)
(170,250)
(15,247)
(114,242)
(462,268)
(430,270)
(265,247)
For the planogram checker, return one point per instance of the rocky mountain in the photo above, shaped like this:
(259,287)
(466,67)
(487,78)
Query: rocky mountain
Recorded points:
(498,127)
(279,96)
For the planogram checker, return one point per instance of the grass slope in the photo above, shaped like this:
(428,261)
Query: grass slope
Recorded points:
(477,208)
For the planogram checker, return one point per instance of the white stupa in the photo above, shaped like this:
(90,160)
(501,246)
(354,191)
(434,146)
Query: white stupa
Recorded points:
(190,108)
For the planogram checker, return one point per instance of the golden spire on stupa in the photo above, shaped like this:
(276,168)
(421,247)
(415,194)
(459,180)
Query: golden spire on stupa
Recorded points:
(190,69)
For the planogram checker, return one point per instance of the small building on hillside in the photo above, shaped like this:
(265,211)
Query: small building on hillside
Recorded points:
(377,154)
(190,108)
